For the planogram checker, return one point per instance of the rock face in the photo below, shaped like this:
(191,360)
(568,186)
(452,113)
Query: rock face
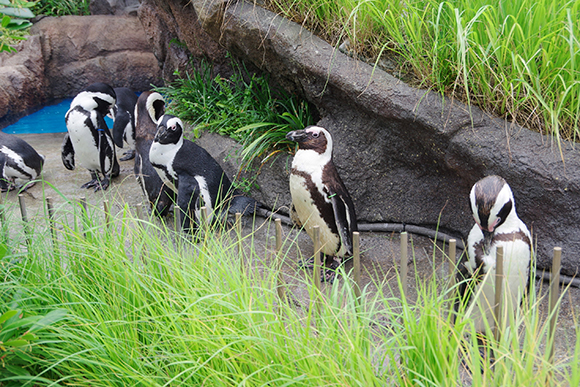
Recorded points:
(114,7)
(22,81)
(405,154)
(80,50)
(63,55)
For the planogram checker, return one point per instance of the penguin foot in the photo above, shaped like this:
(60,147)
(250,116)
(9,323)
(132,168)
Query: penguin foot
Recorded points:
(329,271)
(90,184)
(129,155)
(306,263)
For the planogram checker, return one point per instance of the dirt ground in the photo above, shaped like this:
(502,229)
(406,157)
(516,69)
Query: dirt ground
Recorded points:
(379,251)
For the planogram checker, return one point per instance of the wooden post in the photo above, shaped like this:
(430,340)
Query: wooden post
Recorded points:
(356,264)
(404,261)
(203,221)
(24,214)
(176,218)
(84,215)
(50,211)
(239,235)
(452,261)
(554,296)
(3,217)
(280,286)
(107,210)
(498,291)
(139,211)
(316,271)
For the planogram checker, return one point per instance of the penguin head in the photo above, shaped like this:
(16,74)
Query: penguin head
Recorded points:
(102,95)
(492,201)
(169,130)
(313,138)
(149,108)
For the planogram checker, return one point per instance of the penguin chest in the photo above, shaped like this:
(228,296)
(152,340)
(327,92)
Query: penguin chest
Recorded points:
(516,262)
(162,157)
(314,209)
(83,140)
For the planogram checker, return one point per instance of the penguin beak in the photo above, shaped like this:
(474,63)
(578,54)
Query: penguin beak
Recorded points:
(487,238)
(297,135)
(160,133)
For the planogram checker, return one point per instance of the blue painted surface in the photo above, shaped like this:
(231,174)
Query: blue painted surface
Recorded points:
(49,119)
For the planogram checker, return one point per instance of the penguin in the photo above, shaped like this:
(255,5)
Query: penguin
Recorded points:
(320,198)
(88,138)
(191,172)
(19,162)
(123,115)
(149,108)
(496,224)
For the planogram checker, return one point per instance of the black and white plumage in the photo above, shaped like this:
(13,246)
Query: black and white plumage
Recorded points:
(497,224)
(149,108)
(123,115)
(191,172)
(88,139)
(19,162)
(319,197)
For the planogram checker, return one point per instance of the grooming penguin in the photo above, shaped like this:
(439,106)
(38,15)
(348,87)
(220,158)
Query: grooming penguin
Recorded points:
(320,198)
(123,115)
(149,108)
(19,162)
(191,172)
(497,224)
(89,139)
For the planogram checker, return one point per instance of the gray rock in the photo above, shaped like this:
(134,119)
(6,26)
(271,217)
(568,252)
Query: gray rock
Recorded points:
(80,50)
(22,82)
(407,155)
(114,7)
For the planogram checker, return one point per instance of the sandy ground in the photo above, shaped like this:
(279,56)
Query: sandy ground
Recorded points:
(380,251)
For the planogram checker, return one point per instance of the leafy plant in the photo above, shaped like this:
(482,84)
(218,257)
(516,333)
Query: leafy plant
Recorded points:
(13,18)
(243,107)
(17,333)
(62,7)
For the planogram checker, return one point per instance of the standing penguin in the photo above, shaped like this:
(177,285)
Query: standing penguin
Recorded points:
(19,162)
(123,115)
(194,175)
(89,139)
(497,224)
(320,198)
(150,107)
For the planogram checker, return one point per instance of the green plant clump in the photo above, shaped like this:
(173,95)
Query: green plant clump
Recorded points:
(243,107)
(62,7)
(148,307)
(516,59)
(13,22)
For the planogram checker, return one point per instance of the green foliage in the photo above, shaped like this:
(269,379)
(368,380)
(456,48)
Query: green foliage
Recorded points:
(516,59)
(13,15)
(17,333)
(243,107)
(148,307)
(62,7)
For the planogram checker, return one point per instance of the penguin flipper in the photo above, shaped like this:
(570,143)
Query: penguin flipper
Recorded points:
(119,125)
(188,193)
(68,153)
(343,217)
(106,150)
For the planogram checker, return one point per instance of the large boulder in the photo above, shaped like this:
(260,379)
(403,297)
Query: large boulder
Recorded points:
(114,7)
(407,155)
(22,82)
(80,50)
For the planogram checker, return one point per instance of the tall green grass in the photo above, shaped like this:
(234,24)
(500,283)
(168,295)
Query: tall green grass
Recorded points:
(515,59)
(147,307)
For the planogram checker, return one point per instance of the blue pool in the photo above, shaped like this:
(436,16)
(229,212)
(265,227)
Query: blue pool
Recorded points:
(49,119)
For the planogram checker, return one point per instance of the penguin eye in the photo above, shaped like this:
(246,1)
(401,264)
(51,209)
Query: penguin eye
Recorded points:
(315,134)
